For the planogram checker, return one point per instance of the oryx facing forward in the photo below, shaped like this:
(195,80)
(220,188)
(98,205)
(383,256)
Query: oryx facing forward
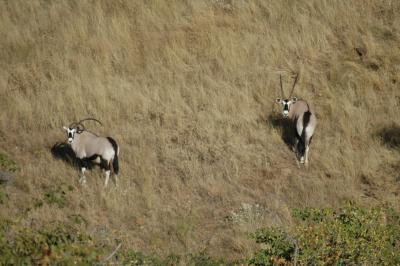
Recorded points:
(88,147)
(303,121)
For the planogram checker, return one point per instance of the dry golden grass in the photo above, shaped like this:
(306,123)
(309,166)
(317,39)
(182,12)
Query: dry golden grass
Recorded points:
(186,89)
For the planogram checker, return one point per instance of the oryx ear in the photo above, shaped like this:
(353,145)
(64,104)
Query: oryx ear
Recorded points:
(278,100)
(294,99)
(65,128)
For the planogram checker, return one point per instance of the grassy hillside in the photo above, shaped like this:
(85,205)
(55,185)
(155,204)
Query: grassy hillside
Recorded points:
(187,88)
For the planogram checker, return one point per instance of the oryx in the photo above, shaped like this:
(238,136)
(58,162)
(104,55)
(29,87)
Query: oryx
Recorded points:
(303,121)
(88,147)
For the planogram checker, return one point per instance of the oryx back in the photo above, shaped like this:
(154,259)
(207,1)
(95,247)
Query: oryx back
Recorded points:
(87,144)
(302,114)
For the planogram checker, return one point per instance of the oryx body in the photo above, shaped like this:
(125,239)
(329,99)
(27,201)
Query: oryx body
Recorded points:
(89,146)
(303,121)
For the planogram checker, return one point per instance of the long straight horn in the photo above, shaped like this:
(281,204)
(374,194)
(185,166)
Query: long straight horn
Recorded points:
(294,84)
(280,79)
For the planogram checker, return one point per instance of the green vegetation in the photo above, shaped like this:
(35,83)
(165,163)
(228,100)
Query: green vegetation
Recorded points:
(58,243)
(351,236)
(3,195)
(55,195)
(66,245)
(8,164)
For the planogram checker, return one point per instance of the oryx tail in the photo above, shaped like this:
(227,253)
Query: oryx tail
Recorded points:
(115,163)
(304,139)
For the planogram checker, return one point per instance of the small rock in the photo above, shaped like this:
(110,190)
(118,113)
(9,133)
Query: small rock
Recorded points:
(5,177)
(360,51)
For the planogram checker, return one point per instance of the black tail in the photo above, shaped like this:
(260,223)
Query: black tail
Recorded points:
(115,160)
(302,142)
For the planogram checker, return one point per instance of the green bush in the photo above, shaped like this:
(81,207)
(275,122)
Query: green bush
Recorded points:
(276,246)
(54,195)
(349,236)
(57,244)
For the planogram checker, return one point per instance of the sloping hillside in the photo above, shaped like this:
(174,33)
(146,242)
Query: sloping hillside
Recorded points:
(187,89)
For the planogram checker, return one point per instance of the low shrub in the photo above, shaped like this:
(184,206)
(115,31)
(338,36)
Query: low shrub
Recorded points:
(58,243)
(350,236)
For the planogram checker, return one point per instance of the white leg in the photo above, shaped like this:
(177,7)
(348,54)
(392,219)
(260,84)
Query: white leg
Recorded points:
(302,159)
(107,177)
(82,178)
(116,179)
(306,155)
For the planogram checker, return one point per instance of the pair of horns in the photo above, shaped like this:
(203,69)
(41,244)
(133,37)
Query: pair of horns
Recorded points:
(80,126)
(294,84)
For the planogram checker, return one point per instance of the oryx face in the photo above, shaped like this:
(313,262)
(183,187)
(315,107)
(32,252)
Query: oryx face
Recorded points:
(70,134)
(286,104)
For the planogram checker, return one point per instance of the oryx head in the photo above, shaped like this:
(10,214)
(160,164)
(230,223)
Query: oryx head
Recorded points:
(286,102)
(72,130)
(76,127)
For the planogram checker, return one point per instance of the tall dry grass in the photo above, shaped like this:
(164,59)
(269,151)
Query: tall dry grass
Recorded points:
(186,88)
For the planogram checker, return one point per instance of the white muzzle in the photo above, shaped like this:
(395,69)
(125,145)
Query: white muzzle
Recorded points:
(285,113)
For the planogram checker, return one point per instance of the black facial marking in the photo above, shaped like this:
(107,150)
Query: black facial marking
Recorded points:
(286,107)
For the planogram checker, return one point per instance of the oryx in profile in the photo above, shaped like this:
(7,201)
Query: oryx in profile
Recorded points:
(89,147)
(303,121)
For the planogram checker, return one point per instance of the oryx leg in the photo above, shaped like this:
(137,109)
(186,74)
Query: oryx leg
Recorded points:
(108,172)
(300,151)
(295,143)
(300,142)
(83,166)
(306,156)
(113,173)
(307,149)
(303,153)
(116,179)
(107,177)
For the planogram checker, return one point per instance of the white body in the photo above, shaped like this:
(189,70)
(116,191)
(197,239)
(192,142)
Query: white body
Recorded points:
(87,144)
